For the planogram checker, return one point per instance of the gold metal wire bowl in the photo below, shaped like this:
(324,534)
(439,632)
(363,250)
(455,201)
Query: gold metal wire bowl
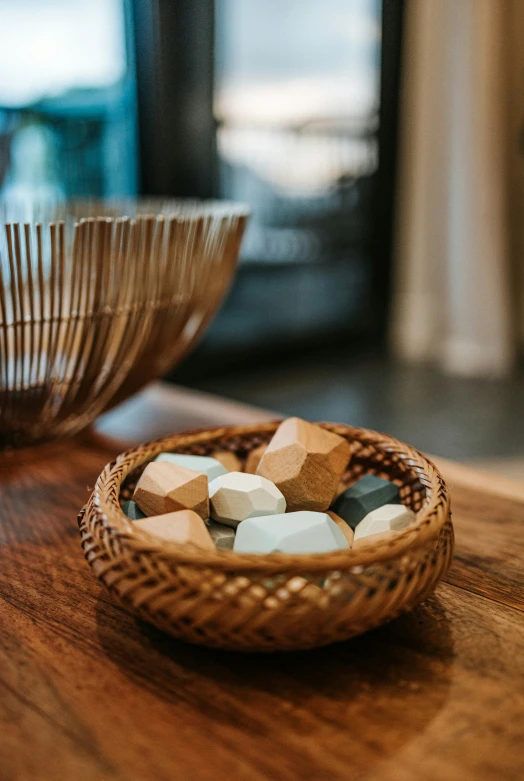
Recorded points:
(270,602)
(94,304)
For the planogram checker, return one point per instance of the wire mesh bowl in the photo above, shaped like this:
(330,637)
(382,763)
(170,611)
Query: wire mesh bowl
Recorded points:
(94,304)
(270,602)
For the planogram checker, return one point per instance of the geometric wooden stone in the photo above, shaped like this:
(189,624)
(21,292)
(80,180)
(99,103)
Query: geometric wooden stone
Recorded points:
(306,462)
(132,510)
(390,517)
(346,530)
(341,487)
(254,458)
(297,532)
(236,496)
(184,526)
(228,459)
(165,487)
(223,536)
(363,497)
(203,464)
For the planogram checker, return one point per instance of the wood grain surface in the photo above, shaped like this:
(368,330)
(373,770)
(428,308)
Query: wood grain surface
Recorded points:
(89,693)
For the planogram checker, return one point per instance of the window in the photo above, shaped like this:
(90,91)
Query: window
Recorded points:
(67,99)
(296,102)
(288,105)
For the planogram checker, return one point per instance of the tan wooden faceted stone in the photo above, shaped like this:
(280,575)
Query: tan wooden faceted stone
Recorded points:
(229,460)
(372,539)
(341,487)
(253,459)
(344,527)
(166,487)
(184,527)
(306,462)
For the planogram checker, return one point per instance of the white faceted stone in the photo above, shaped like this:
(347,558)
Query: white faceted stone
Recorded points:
(389,517)
(204,464)
(303,531)
(236,496)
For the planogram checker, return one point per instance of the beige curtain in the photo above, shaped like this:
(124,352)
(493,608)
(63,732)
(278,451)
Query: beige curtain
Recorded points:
(454,301)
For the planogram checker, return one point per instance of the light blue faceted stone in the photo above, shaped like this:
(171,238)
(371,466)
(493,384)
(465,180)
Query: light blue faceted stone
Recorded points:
(303,531)
(204,464)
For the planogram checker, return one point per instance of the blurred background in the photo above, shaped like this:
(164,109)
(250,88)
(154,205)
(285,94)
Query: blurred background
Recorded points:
(380,146)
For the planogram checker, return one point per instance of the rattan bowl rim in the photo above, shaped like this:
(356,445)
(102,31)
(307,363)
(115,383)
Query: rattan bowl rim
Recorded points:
(105,508)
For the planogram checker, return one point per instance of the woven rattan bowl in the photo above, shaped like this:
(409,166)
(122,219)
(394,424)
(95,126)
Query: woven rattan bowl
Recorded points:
(272,602)
(97,299)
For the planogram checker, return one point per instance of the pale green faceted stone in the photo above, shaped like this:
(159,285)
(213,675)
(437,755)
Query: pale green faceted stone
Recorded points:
(204,464)
(389,517)
(303,531)
(223,536)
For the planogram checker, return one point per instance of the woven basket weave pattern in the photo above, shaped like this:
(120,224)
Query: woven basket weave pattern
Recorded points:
(278,601)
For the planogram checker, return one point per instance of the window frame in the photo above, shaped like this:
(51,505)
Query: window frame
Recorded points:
(174,55)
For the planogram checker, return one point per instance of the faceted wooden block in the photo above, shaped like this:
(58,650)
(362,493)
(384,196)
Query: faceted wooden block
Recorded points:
(229,460)
(363,497)
(306,462)
(372,539)
(253,459)
(296,532)
(390,517)
(341,487)
(184,526)
(166,488)
(223,536)
(237,496)
(132,510)
(205,465)
(346,530)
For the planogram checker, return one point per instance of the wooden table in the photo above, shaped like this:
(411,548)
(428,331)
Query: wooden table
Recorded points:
(88,692)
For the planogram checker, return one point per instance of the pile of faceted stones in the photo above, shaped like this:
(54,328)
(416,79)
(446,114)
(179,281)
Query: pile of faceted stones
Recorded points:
(289,499)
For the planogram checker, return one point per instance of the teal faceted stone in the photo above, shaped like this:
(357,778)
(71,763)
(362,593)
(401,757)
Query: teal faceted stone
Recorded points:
(223,536)
(132,510)
(367,494)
